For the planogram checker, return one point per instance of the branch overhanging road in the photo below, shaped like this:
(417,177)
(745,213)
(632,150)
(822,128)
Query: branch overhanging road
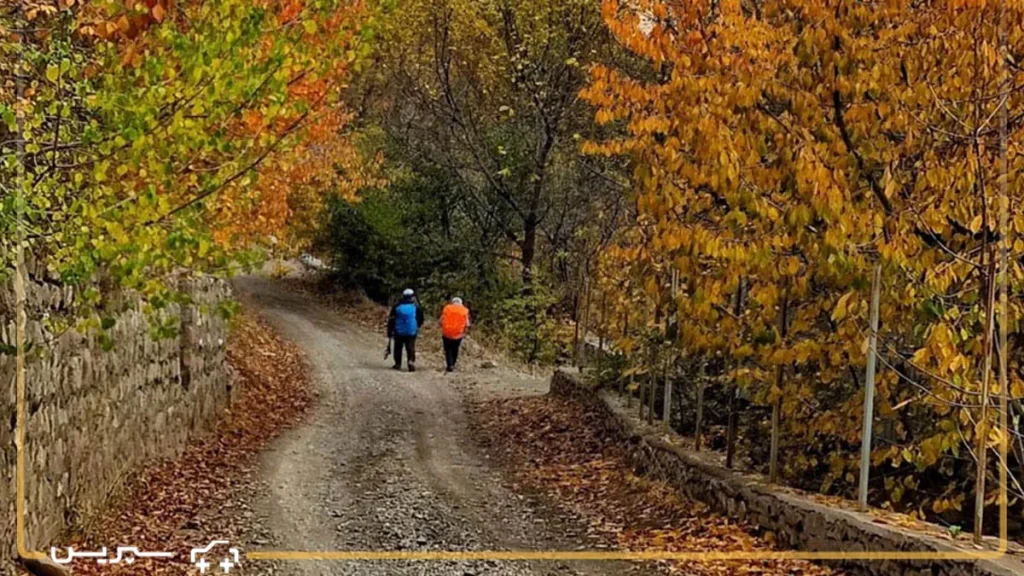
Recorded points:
(386,462)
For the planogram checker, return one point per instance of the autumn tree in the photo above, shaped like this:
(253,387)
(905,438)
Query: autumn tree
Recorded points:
(787,148)
(145,139)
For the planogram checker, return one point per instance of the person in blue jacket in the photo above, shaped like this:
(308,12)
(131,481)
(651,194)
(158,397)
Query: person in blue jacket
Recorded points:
(404,324)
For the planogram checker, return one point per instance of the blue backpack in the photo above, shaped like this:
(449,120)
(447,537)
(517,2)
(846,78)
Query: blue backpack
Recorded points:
(405,319)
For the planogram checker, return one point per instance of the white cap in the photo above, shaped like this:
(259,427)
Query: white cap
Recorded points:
(408,292)
(456,300)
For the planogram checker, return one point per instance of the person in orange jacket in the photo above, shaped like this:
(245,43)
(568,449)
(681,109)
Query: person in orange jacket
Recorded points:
(454,323)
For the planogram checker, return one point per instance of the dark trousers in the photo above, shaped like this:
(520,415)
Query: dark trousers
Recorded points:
(451,351)
(409,343)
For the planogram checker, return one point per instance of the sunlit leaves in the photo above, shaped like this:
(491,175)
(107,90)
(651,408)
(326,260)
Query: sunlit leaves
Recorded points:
(160,137)
(788,146)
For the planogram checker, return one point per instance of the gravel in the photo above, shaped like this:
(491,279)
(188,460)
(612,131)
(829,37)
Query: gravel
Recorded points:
(386,462)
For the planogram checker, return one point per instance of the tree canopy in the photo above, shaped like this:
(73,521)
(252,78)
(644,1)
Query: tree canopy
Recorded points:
(142,139)
(783,151)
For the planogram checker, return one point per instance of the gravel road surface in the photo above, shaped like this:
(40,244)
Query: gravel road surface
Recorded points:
(386,462)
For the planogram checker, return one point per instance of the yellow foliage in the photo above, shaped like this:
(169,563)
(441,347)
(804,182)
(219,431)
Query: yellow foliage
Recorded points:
(789,146)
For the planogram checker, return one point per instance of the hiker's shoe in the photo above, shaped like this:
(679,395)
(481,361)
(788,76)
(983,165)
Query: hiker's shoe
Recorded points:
(450,369)
(412,368)
(396,367)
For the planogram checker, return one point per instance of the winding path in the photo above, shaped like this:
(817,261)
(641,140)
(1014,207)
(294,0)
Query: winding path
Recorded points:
(387,462)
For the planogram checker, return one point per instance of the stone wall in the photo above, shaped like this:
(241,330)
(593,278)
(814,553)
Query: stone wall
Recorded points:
(797,520)
(96,415)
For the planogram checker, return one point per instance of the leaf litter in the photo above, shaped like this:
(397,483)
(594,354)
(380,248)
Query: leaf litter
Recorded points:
(562,449)
(199,496)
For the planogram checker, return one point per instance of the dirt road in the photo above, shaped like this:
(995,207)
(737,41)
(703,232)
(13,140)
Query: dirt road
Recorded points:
(386,461)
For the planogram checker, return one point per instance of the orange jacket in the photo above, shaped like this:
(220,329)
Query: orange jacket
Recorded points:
(454,321)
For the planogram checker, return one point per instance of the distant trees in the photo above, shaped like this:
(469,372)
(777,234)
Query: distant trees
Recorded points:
(485,95)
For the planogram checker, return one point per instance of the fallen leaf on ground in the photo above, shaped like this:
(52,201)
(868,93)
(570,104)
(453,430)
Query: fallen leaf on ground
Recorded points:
(559,447)
(191,500)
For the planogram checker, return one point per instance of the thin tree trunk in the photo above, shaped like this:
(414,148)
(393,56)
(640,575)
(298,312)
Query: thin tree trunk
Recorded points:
(669,361)
(988,250)
(603,329)
(529,253)
(652,394)
(652,386)
(667,410)
(982,429)
(626,333)
(643,401)
(700,405)
(652,378)
(1004,381)
(869,391)
(21,320)
(586,319)
(730,434)
(730,439)
(632,379)
(773,458)
(773,462)
(1004,393)
(576,330)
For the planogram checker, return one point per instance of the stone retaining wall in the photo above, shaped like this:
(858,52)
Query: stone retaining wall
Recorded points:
(96,415)
(797,520)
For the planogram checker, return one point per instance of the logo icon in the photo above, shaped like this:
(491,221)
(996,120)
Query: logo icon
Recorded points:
(126,554)
(198,557)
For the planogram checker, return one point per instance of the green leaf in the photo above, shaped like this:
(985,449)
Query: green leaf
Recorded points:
(106,342)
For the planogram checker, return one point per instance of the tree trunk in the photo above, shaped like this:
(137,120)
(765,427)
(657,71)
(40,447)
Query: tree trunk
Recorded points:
(643,387)
(666,412)
(773,459)
(585,315)
(730,439)
(700,405)
(1003,377)
(602,330)
(529,253)
(629,387)
(982,428)
(869,392)
(576,329)
(730,434)
(652,391)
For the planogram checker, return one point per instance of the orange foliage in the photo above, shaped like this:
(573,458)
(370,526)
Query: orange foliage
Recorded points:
(289,188)
(289,184)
